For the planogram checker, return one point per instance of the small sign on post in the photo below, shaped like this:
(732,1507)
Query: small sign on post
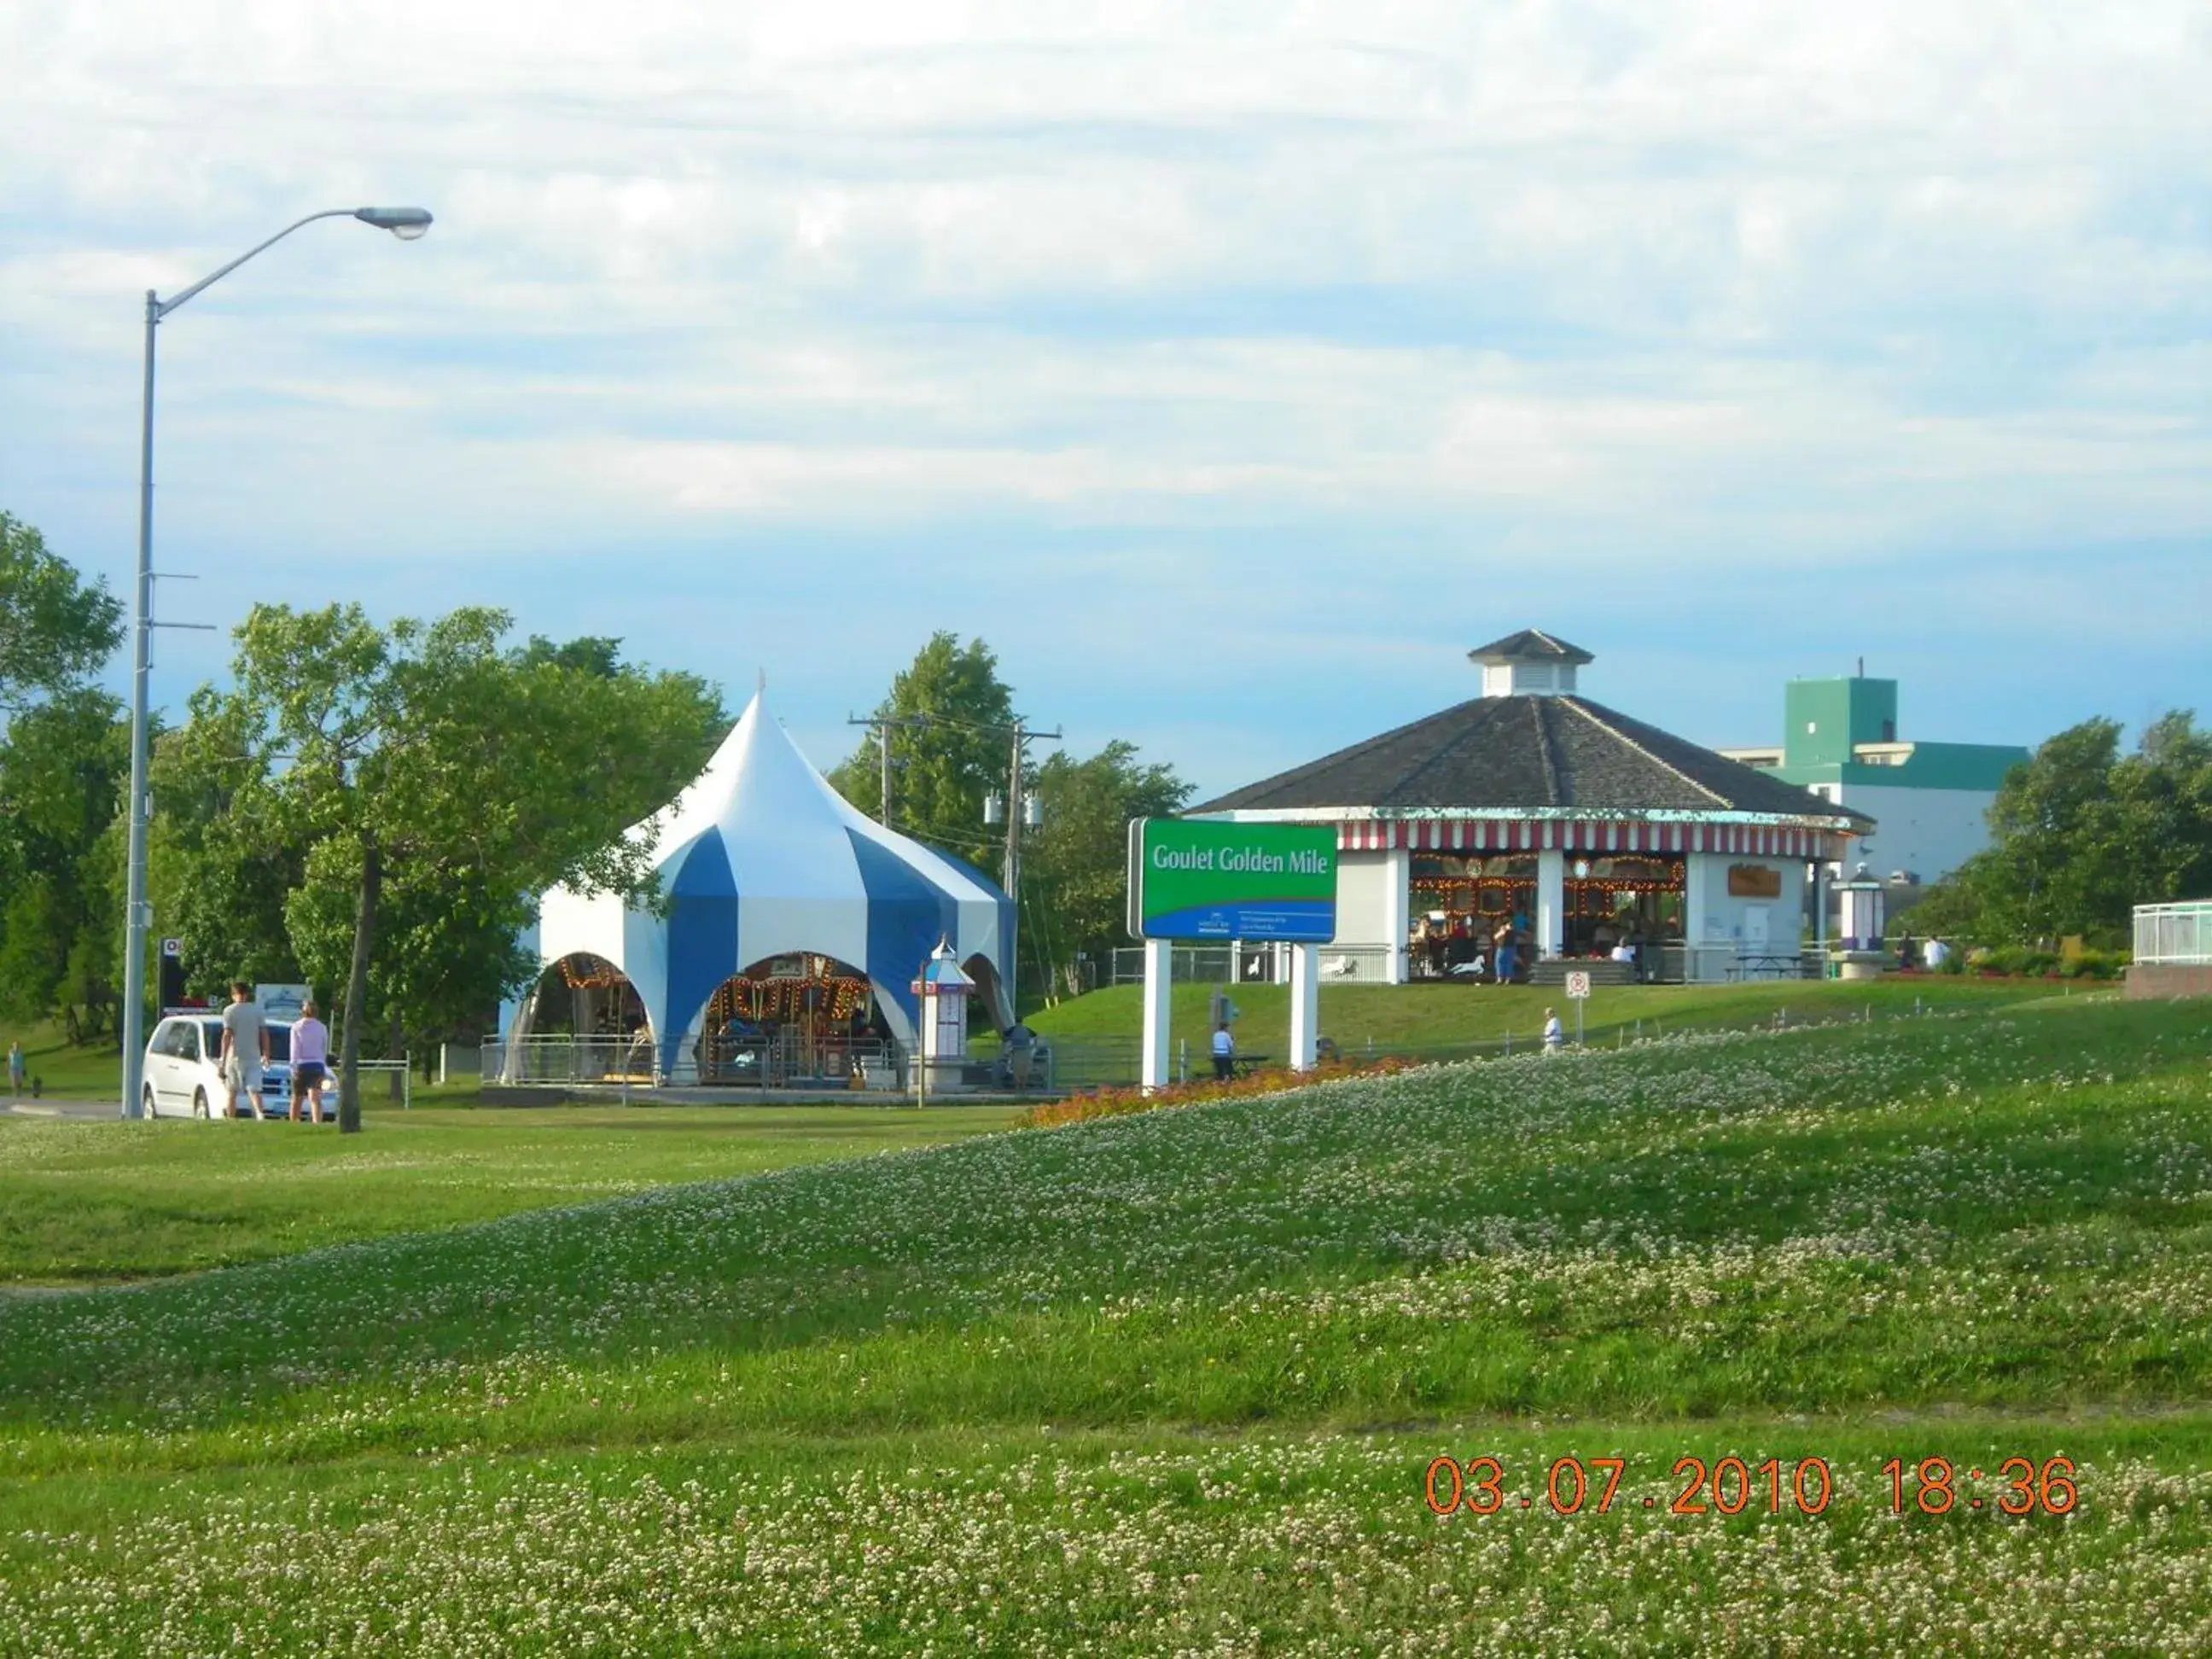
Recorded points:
(1579,988)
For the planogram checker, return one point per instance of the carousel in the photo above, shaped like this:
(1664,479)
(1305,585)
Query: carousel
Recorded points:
(784,950)
(1531,829)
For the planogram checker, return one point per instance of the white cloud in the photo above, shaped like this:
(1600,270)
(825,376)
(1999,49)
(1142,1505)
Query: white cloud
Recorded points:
(1621,304)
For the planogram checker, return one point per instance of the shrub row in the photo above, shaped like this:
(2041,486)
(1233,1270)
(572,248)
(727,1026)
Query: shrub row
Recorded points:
(2028,961)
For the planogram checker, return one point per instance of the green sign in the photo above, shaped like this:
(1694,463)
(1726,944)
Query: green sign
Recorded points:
(1192,879)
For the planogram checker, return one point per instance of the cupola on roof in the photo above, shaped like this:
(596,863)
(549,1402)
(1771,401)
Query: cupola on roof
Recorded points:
(1528,664)
(1530,645)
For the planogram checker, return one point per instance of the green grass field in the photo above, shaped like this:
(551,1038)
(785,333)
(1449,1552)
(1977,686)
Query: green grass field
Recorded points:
(1172,1383)
(103,1201)
(65,1070)
(1423,1016)
(1440,1017)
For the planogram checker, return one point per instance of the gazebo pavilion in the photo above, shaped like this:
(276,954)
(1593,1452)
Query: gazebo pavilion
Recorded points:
(1533,813)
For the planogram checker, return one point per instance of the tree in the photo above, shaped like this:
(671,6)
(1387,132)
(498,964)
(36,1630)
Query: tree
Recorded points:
(423,762)
(63,767)
(54,628)
(62,761)
(224,854)
(1076,866)
(2080,834)
(951,747)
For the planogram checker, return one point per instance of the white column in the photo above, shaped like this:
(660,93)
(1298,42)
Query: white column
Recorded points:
(1693,914)
(1397,912)
(1551,902)
(1819,905)
(1305,1007)
(1156,976)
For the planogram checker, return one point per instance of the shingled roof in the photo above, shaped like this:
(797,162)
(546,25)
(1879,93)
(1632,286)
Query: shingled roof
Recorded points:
(1530,645)
(1527,754)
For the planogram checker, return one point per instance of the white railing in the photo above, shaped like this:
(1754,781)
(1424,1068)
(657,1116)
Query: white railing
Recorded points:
(1259,964)
(403,1069)
(632,1062)
(570,1060)
(2174,935)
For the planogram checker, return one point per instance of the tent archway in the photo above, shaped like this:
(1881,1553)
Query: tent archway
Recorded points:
(584,998)
(802,1017)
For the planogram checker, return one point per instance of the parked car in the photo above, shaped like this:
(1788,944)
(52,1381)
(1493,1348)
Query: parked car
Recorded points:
(184,1068)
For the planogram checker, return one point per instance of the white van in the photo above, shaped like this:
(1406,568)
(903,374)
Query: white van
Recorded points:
(184,1068)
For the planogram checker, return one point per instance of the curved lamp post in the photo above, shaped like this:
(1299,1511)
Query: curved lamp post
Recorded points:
(407,223)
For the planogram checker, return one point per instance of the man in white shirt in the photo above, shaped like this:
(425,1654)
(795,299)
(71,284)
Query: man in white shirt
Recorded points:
(244,1048)
(1224,1052)
(1933,953)
(1555,1036)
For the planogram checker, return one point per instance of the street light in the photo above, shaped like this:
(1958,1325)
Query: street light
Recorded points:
(407,223)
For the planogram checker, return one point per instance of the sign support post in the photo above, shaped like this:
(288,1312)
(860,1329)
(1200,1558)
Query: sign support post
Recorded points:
(1157,977)
(1578,990)
(1306,1008)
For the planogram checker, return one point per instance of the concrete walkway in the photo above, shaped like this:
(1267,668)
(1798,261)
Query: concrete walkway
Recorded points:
(676,1095)
(85,1110)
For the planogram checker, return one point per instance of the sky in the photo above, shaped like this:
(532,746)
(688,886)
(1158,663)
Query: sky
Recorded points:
(1230,368)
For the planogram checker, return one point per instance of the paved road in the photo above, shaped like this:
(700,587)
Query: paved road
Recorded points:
(87,1111)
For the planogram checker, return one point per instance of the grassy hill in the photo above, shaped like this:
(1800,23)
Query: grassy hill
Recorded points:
(1439,1018)
(66,1070)
(89,1202)
(1175,1381)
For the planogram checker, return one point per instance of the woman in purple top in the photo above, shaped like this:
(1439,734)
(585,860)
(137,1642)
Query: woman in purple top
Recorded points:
(311,1054)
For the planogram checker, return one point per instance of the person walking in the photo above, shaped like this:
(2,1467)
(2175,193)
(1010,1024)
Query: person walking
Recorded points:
(1555,1036)
(15,1069)
(245,1048)
(1224,1052)
(311,1062)
(1020,1046)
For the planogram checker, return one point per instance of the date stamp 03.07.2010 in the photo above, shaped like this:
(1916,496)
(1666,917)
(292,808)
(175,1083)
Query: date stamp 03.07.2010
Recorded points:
(1929,1486)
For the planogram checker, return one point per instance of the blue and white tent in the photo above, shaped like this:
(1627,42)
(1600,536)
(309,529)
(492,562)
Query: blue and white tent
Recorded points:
(761,857)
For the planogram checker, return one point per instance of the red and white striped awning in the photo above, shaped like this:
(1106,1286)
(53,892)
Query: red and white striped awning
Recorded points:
(1597,836)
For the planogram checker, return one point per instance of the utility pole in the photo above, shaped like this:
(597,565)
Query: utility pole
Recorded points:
(1020,807)
(883,724)
(407,223)
(1019,811)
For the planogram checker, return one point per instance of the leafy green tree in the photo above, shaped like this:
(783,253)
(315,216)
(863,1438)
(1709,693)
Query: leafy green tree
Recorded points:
(65,763)
(2163,793)
(222,854)
(2081,834)
(59,783)
(1076,866)
(54,627)
(437,782)
(951,746)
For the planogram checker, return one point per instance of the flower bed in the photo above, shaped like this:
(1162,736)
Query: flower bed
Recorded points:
(1121,1101)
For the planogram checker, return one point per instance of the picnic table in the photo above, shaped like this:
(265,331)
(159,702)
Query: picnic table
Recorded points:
(1245,1064)
(1791,966)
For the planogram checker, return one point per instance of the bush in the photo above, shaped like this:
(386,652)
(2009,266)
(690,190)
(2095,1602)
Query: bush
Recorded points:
(2017,961)
(2093,964)
(2032,961)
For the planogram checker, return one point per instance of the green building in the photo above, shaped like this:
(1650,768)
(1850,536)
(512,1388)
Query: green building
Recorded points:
(1929,800)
